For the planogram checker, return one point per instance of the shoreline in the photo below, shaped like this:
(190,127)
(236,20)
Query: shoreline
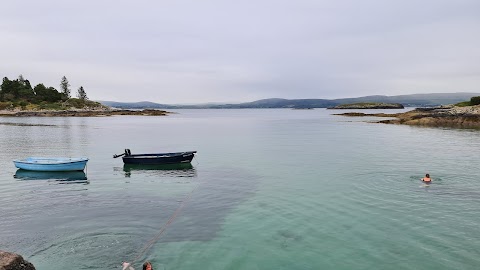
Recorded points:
(448,116)
(81,113)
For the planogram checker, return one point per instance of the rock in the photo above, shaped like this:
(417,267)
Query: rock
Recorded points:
(368,105)
(12,261)
(357,114)
(352,114)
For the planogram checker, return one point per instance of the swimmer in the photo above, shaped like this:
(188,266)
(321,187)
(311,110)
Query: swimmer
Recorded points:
(127,266)
(427,178)
(147,266)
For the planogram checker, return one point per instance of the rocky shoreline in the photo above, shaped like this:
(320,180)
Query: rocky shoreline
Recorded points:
(448,116)
(82,113)
(12,261)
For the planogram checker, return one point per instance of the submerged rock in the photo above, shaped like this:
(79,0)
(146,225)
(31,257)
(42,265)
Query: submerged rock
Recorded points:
(12,261)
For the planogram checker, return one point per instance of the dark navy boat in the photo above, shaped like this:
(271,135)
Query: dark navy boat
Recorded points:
(156,159)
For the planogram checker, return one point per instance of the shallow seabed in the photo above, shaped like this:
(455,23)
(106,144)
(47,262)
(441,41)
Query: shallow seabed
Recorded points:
(270,189)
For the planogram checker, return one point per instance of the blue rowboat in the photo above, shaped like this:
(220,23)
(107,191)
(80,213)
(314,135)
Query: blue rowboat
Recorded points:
(59,164)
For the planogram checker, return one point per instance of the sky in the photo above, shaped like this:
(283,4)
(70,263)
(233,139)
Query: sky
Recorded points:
(190,51)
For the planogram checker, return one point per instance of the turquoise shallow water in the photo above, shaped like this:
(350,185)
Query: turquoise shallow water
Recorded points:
(272,189)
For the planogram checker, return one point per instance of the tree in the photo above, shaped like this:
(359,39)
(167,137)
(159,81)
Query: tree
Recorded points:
(53,95)
(16,90)
(5,89)
(49,94)
(21,79)
(40,91)
(81,94)
(27,84)
(65,87)
(25,91)
(475,101)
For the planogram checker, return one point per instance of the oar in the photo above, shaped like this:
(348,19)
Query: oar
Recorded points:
(116,156)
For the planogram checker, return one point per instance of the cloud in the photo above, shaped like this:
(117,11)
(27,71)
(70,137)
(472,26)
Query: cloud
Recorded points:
(209,51)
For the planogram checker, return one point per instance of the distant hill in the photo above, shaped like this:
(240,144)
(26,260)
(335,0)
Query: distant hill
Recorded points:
(136,105)
(415,100)
(282,103)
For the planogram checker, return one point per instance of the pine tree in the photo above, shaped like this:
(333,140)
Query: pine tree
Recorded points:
(21,79)
(81,94)
(64,87)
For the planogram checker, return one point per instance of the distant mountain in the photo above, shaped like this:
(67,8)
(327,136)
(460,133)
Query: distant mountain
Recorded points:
(415,100)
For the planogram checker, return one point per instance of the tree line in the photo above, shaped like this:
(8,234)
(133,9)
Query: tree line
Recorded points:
(20,90)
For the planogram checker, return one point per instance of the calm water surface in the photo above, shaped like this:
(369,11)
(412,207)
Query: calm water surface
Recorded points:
(270,189)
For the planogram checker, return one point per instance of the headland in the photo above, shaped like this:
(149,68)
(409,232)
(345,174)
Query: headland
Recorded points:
(444,116)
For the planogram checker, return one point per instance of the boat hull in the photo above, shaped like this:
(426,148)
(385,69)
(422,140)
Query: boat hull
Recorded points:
(159,159)
(52,164)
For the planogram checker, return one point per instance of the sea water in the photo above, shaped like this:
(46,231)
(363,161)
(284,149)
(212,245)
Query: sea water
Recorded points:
(269,189)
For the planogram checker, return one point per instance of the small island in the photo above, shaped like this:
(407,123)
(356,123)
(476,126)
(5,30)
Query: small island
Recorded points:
(461,115)
(367,105)
(18,98)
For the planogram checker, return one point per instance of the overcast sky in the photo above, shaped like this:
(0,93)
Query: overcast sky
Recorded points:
(191,51)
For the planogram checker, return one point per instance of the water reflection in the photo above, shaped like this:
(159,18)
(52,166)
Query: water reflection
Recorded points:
(167,170)
(60,177)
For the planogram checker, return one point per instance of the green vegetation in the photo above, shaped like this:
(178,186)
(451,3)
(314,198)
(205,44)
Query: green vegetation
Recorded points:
(463,104)
(19,93)
(82,103)
(473,101)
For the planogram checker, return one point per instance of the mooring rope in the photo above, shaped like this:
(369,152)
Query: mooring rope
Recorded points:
(164,227)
